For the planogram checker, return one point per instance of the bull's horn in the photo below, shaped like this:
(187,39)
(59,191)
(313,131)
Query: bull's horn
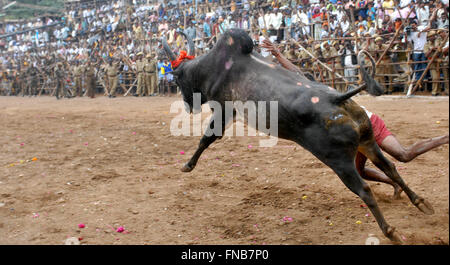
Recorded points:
(169,52)
(191,44)
(372,61)
(372,86)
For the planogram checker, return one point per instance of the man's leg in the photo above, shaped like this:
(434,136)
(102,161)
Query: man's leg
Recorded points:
(405,154)
(57,90)
(444,69)
(139,84)
(78,90)
(416,73)
(113,86)
(435,85)
(147,86)
(153,84)
(64,89)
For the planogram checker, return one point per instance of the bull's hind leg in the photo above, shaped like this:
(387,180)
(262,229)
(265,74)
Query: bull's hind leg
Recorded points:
(373,152)
(207,139)
(347,172)
(338,152)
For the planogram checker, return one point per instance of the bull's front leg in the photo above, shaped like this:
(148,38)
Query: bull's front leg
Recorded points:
(208,138)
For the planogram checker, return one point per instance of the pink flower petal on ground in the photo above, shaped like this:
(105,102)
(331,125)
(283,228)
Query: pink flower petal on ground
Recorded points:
(287,219)
(133,133)
(86,144)
(120,229)
(22,144)
(181,152)
(250,146)
(81,225)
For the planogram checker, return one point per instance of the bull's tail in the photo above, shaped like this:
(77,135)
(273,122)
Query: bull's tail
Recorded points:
(370,84)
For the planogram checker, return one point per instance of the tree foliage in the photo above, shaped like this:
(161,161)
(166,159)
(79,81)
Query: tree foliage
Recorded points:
(34,8)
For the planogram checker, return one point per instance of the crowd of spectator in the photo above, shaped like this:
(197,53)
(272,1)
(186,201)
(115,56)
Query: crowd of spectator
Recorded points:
(102,31)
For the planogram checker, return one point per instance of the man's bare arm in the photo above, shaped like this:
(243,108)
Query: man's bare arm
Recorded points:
(267,44)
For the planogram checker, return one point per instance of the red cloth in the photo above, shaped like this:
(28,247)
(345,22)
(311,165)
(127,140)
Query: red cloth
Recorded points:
(379,129)
(183,55)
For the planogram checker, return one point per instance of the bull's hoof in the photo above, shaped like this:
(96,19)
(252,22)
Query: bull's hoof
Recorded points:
(394,236)
(186,168)
(424,206)
(396,239)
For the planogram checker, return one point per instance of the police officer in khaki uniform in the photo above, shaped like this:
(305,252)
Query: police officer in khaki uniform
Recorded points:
(310,48)
(90,79)
(327,53)
(150,69)
(331,56)
(444,58)
(319,72)
(59,74)
(77,77)
(429,49)
(434,43)
(33,81)
(140,74)
(337,66)
(385,66)
(19,82)
(112,73)
(289,52)
(303,59)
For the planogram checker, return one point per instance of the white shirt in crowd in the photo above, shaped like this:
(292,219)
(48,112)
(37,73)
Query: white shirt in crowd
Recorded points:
(404,3)
(261,22)
(340,13)
(418,41)
(300,17)
(277,20)
(345,26)
(423,15)
(264,51)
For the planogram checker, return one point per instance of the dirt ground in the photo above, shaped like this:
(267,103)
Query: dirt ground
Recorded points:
(111,163)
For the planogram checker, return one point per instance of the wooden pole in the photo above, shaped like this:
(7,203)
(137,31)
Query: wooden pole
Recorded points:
(409,67)
(131,87)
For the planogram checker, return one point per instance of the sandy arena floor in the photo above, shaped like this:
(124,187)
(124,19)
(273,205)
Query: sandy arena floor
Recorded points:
(110,163)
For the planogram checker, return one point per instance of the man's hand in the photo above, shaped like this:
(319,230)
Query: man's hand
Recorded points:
(267,44)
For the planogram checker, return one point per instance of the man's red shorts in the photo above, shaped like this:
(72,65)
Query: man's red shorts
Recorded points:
(379,129)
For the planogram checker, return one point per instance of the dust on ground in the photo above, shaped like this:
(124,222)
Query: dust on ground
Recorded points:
(110,163)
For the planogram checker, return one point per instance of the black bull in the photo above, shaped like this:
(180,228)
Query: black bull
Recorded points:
(327,123)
